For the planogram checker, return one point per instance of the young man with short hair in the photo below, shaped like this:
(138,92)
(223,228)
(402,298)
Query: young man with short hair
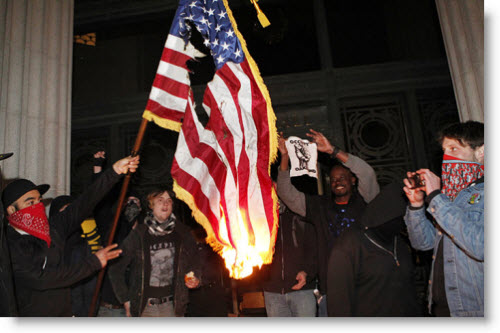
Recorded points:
(160,254)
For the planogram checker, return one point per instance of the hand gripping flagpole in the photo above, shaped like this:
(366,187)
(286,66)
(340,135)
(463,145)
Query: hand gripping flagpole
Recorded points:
(126,181)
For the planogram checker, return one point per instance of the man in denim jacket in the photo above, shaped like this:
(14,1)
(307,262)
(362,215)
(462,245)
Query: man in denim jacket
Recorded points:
(456,233)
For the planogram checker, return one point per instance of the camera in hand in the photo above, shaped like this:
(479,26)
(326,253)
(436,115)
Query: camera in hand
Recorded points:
(416,181)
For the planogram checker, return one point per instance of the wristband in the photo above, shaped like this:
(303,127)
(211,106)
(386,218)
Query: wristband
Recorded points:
(431,196)
(336,150)
(99,161)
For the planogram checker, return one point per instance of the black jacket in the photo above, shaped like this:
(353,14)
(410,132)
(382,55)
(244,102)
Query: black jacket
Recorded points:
(8,306)
(294,251)
(103,214)
(209,300)
(323,212)
(133,256)
(370,268)
(365,280)
(42,280)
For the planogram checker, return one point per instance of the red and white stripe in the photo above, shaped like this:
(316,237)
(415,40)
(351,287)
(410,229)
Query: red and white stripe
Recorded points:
(224,167)
(171,86)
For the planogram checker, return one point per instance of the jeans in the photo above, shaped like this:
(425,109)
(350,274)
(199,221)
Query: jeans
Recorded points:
(105,312)
(300,303)
(322,312)
(81,296)
(159,310)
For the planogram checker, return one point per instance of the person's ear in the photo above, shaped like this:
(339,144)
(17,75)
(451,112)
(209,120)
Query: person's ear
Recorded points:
(479,154)
(11,210)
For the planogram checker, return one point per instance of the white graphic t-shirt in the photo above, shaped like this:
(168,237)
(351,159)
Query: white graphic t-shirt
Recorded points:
(303,157)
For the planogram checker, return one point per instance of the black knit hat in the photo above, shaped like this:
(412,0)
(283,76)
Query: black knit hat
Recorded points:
(132,192)
(18,188)
(6,155)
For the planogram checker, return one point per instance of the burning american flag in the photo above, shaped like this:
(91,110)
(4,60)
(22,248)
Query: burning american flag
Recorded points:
(221,170)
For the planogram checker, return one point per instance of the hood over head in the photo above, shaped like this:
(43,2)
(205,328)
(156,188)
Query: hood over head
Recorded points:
(390,204)
(58,203)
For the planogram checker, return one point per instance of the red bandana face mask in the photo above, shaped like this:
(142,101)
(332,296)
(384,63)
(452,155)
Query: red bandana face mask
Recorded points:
(32,220)
(457,174)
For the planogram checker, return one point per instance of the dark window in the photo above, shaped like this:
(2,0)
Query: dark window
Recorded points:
(364,32)
(289,44)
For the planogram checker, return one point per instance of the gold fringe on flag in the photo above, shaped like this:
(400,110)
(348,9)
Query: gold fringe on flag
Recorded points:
(162,122)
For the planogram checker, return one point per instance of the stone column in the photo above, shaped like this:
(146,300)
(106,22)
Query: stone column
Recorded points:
(36,48)
(462,25)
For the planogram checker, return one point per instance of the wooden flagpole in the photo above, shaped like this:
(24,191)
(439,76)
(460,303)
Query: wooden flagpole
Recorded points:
(126,181)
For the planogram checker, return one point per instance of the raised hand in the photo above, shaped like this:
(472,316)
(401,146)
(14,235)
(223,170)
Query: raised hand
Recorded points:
(415,195)
(282,145)
(126,164)
(100,154)
(321,141)
(432,182)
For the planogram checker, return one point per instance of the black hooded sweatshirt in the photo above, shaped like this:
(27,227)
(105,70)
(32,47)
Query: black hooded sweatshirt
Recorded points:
(42,277)
(294,251)
(370,268)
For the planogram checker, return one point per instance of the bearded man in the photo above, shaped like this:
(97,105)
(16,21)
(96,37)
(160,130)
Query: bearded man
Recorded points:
(37,245)
(456,204)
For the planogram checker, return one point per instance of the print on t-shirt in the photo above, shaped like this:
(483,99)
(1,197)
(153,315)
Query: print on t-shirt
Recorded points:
(162,264)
